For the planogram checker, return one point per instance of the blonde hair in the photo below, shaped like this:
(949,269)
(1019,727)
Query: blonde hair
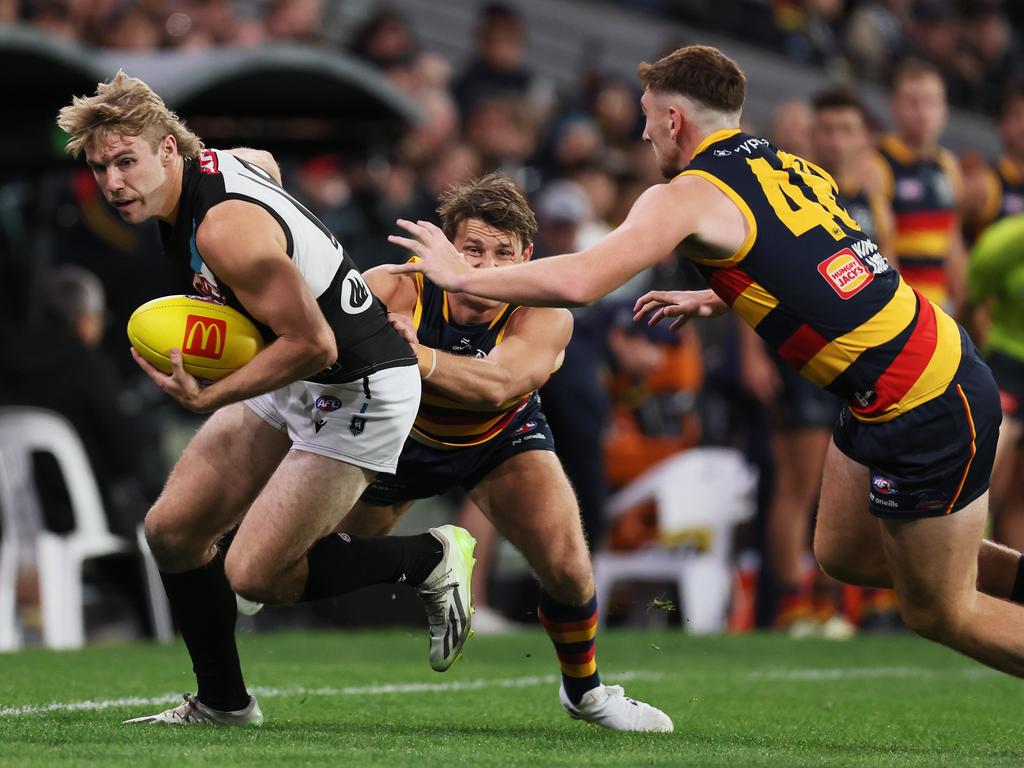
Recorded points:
(125,106)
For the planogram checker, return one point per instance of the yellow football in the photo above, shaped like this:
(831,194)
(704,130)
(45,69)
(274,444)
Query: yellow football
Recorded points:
(214,339)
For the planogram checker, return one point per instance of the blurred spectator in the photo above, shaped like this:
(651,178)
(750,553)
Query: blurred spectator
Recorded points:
(655,377)
(574,400)
(130,27)
(996,282)
(921,181)
(297,21)
(997,51)
(791,127)
(497,68)
(502,132)
(386,40)
(596,181)
(993,192)
(875,37)
(810,29)
(574,139)
(58,365)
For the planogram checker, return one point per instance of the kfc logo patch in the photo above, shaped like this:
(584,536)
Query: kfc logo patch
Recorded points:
(845,273)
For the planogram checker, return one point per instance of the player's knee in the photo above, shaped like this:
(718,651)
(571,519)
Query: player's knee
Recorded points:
(832,560)
(171,545)
(570,579)
(931,618)
(246,577)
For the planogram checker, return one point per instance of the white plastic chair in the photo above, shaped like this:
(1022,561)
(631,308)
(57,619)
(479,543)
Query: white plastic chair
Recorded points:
(700,494)
(60,556)
(10,634)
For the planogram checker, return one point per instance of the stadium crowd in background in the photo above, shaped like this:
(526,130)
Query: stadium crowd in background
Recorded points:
(580,158)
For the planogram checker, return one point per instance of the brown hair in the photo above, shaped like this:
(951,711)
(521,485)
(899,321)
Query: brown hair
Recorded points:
(128,107)
(913,69)
(699,72)
(494,199)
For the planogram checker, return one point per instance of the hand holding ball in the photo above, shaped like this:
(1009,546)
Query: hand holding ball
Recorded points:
(214,339)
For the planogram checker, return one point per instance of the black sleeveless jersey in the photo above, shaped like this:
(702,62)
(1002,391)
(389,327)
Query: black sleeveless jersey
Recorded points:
(366,341)
(442,422)
(816,289)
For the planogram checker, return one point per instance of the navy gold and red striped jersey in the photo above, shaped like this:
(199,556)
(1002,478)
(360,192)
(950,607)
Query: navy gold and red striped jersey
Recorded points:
(816,289)
(1004,192)
(923,193)
(865,210)
(441,421)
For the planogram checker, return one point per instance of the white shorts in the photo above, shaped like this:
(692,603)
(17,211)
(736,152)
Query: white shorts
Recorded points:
(363,422)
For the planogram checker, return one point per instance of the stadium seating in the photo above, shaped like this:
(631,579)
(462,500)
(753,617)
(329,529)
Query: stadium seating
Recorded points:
(24,431)
(701,495)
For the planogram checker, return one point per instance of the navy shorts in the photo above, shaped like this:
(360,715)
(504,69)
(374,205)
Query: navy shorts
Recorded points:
(424,471)
(937,457)
(1009,373)
(801,404)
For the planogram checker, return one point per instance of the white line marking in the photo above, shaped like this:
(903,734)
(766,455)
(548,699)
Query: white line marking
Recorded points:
(90,705)
(824,675)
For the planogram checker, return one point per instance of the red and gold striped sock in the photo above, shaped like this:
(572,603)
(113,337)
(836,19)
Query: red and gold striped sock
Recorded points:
(572,629)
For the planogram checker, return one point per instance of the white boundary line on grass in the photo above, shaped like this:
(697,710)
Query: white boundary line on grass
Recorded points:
(365,690)
(854,673)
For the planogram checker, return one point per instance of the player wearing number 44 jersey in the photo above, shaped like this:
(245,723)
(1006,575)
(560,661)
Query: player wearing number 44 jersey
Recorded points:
(297,433)
(913,446)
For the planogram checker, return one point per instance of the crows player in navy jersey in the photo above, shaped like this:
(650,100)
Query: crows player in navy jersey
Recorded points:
(296,434)
(480,427)
(904,498)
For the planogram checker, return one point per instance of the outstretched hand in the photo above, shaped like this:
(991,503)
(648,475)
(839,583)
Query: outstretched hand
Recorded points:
(439,260)
(682,305)
(180,384)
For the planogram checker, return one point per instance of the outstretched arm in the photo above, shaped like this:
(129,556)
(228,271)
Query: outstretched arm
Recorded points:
(660,219)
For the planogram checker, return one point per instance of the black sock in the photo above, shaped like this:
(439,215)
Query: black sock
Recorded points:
(1017,595)
(342,563)
(204,608)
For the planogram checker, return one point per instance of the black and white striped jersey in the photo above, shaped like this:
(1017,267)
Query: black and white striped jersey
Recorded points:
(366,341)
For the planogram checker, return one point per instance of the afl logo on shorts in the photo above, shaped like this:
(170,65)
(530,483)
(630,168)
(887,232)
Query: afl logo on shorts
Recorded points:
(327,403)
(845,273)
(883,485)
(355,295)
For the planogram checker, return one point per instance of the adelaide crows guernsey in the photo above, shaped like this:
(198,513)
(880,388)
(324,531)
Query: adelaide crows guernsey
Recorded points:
(366,341)
(1004,191)
(442,422)
(922,191)
(811,284)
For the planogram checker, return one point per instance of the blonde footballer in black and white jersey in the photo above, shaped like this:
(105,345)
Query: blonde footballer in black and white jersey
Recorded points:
(296,434)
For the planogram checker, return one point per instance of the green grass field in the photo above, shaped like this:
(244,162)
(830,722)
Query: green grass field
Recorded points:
(362,699)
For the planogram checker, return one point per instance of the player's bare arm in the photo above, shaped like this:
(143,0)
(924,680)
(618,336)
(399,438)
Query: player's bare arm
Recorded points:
(532,349)
(245,247)
(660,219)
(398,294)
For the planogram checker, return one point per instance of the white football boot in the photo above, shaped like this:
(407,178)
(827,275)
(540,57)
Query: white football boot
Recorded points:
(446,596)
(193,711)
(608,706)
